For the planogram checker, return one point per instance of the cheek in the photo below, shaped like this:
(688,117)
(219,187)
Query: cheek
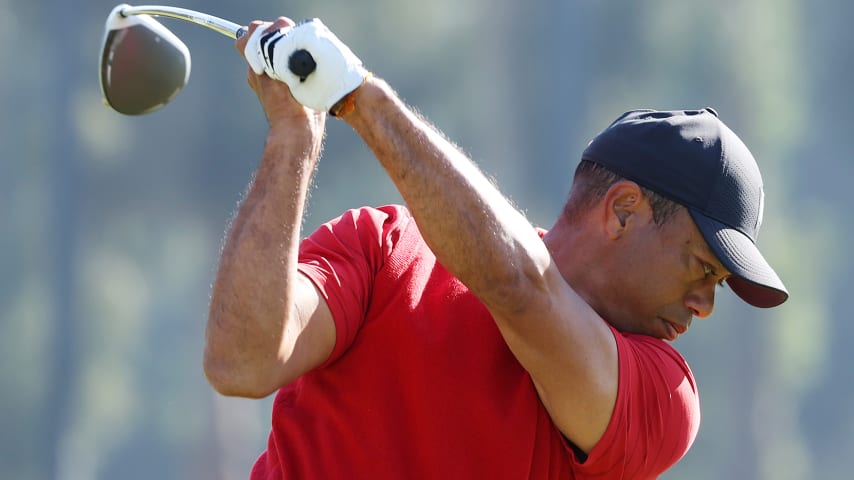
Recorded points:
(655,279)
(647,293)
(635,292)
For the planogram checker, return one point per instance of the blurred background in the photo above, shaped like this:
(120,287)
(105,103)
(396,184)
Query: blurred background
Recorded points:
(112,225)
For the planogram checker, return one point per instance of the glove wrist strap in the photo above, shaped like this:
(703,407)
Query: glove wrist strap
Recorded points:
(348,103)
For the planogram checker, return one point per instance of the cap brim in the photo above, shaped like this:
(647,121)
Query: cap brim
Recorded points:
(752,278)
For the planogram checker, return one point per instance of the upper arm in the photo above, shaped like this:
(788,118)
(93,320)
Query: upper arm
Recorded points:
(302,340)
(308,340)
(340,262)
(324,307)
(570,353)
(633,393)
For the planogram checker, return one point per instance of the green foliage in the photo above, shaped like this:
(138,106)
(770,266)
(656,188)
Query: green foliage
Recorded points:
(112,225)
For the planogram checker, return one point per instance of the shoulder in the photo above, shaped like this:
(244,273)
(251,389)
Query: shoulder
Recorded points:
(382,217)
(645,352)
(368,226)
(657,413)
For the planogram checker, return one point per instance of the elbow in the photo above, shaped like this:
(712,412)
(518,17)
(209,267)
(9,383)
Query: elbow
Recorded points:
(230,379)
(230,384)
(233,366)
(218,375)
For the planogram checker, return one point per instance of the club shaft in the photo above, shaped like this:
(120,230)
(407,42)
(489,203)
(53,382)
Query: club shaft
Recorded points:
(220,25)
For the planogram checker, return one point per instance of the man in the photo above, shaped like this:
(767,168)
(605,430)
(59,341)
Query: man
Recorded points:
(458,341)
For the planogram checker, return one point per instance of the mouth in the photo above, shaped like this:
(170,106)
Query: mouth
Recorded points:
(673,329)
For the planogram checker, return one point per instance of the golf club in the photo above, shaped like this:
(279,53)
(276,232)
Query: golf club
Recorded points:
(143,64)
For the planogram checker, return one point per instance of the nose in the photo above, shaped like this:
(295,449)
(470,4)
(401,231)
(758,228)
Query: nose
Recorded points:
(701,300)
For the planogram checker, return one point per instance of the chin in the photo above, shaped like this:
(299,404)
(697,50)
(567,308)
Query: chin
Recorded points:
(625,322)
(631,326)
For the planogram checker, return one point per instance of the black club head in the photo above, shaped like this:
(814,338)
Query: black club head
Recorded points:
(143,64)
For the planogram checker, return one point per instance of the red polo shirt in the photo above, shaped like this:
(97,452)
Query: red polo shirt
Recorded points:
(421,384)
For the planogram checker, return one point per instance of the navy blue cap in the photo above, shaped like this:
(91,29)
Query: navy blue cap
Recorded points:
(692,158)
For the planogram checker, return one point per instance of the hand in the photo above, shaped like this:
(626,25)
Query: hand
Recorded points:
(337,71)
(276,98)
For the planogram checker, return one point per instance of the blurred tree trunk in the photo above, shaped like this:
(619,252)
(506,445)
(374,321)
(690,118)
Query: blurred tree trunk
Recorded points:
(63,161)
(549,59)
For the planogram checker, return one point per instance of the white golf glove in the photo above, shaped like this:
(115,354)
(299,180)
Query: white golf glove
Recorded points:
(338,71)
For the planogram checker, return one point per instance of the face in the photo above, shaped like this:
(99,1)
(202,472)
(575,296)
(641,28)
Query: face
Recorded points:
(657,278)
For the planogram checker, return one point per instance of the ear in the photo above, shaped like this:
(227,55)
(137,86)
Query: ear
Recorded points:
(624,206)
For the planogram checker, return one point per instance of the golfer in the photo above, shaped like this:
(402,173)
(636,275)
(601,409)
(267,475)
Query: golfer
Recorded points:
(450,338)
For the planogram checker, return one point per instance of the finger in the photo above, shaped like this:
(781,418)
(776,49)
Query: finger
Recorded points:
(240,44)
(280,23)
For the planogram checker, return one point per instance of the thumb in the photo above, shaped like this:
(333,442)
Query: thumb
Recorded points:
(240,43)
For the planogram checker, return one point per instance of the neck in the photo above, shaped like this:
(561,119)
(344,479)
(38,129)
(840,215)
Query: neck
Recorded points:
(574,250)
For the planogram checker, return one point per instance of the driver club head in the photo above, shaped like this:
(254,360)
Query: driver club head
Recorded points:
(143,64)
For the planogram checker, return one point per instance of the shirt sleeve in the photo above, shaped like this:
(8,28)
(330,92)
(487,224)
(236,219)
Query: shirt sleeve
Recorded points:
(342,258)
(656,416)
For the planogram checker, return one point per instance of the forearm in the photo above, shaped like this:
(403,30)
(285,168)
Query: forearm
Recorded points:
(474,231)
(253,294)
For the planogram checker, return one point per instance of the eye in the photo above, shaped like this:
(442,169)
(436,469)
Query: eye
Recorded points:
(709,271)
